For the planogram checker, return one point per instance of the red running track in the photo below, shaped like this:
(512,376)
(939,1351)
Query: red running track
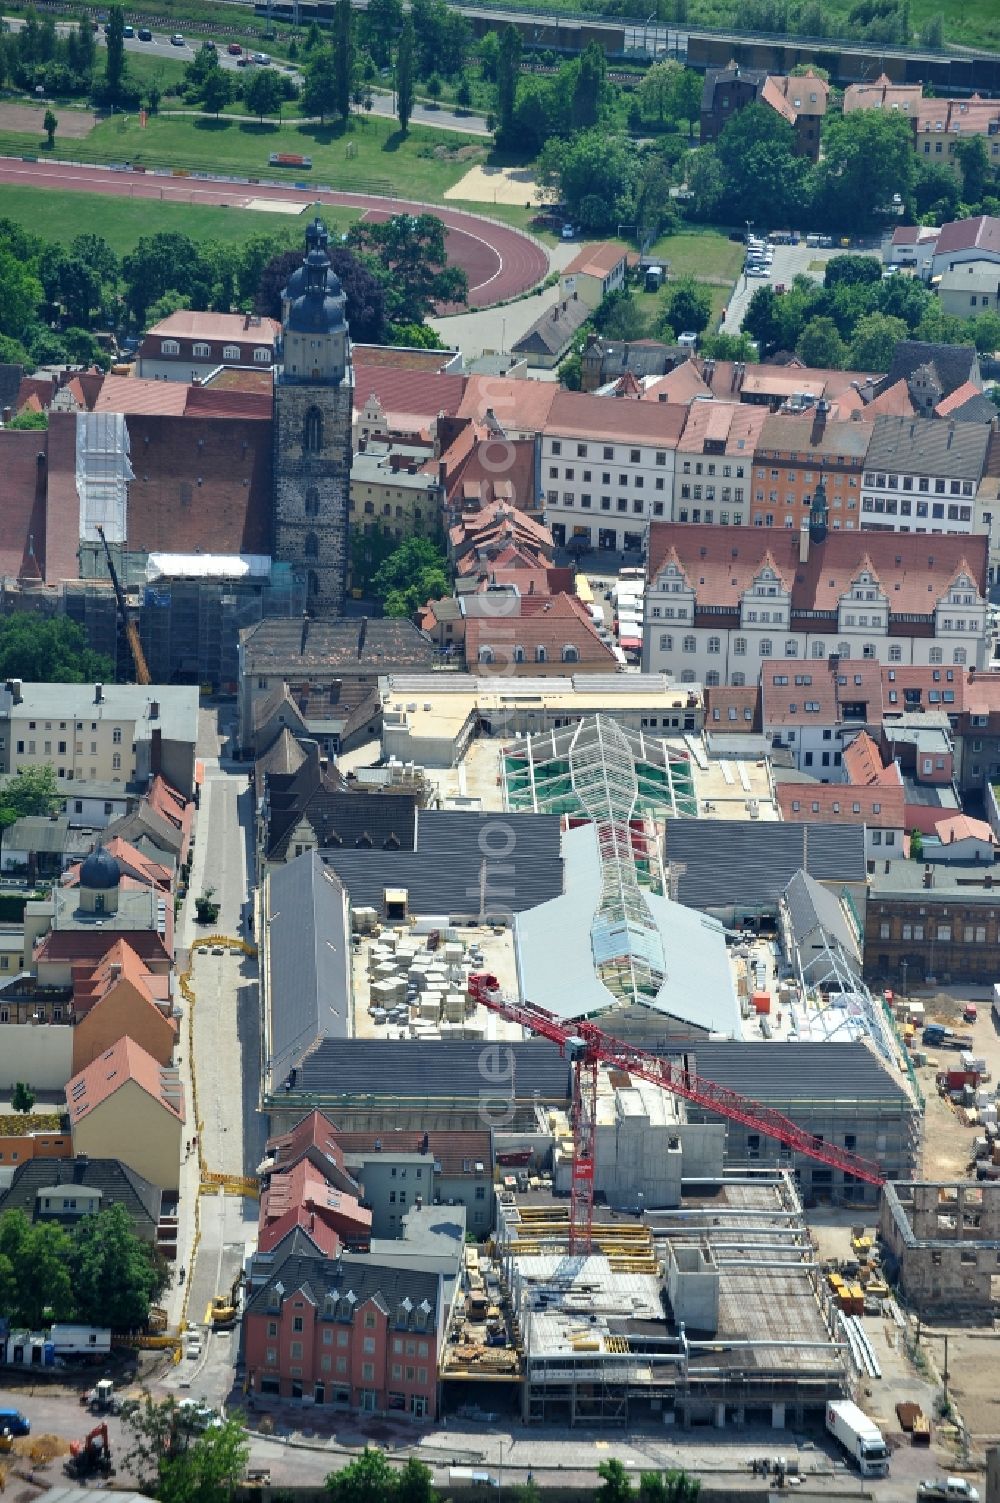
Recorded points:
(499,261)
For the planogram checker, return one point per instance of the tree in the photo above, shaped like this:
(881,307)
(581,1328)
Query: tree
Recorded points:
(23,1098)
(409,252)
(619,317)
(764,179)
(404,76)
(851,270)
(596,175)
(48,651)
(417,571)
(588,87)
(934,192)
(319,92)
(35,1277)
(50,125)
(820,346)
(434,86)
(178,1462)
(656,92)
(728,347)
(115,1275)
(874,342)
(972,158)
(867,158)
(165,262)
(463,94)
(508,71)
(29,422)
(262,93)
(343,55)
(20,293)
(216,91)
(114,66)
(668,1487)
(383,20)
(370,1478)
(616,1484)
(685,97)
(688,306)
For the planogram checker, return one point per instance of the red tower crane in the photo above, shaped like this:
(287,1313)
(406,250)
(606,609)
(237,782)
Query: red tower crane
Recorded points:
(587,1046)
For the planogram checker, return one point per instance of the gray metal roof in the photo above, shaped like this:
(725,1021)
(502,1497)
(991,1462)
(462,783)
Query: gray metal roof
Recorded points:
(806,1072)
(429,1068)
(967,884)
(308,959)
(351,644)
(749,863)
(465,862)
(813,912)
(116,1182)
(928,446)
(176,717)
(556,962)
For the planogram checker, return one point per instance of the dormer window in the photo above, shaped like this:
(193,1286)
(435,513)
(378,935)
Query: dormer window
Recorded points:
(169,347)
(201,351)
(262,356)
(231,352)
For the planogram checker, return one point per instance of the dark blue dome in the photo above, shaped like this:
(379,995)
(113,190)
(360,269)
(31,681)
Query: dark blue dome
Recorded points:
(316,313)
(100,871)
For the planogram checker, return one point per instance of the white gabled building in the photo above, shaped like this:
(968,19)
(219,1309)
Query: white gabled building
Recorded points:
(721,601)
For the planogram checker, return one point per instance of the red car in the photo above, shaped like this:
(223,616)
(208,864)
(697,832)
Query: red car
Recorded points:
(234,49)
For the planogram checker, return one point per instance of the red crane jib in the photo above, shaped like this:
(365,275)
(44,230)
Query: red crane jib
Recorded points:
(671,1077)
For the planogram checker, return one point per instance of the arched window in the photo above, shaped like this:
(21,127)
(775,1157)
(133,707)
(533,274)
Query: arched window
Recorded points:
(539,654)
(819,649)
(486,654)
(518,655)
(312,502)
(312,431)
(312,545)
(712,678)
(570,654)
(313,582)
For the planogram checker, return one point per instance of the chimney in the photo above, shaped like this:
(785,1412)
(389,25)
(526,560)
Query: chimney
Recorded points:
(305,633)
(156,751)
(98,694)
(804,542)
(14,685)
(928,876)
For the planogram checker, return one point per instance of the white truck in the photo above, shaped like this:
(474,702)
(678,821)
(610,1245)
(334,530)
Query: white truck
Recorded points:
(860,1437)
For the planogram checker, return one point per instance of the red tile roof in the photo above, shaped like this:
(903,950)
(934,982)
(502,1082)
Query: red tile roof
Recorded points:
(194,323)
(957,398)
(202,482)
(556,623)
(303,1186)
(314,1131)
(324,1237)
(721,563)
(456,1152)
(124,1062)
(597,260)
(519,406)
(962,827)
(132,394)
(981,231)
(410,399)
(842,804)
(733,709)
(581,415)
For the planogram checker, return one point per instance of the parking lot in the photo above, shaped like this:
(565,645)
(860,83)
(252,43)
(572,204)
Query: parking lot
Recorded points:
(790,261)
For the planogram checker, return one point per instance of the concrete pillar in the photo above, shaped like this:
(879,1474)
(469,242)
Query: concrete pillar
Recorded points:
(740,1417)
(777,1416)
(720,1416)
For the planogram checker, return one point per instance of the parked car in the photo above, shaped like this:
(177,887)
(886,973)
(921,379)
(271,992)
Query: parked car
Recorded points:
(243,62)
(758,271)
(128,31)
(262,58)
(234,49)
(568,231)
(177,40)
(144,34)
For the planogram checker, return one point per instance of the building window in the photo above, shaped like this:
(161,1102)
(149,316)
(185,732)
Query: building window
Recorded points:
(539,654)
(570,654)
(262,356)
(312,502)
(116,762)
(201,351)
(739,647)
(231,352)
(689,645)
(714,645)
(312,431)
(311,545)
(169,347)
(765,647)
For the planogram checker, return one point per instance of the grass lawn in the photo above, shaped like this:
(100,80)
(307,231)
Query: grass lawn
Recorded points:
(704,254)
(652,305)
(60,216)
(373,154)
(146,67)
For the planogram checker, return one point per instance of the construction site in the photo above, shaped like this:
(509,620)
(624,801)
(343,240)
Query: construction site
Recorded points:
(713,1312)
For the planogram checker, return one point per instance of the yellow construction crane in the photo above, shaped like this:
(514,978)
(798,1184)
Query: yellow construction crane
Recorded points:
(128,622)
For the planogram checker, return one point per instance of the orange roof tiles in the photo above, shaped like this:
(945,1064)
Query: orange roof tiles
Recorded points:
(123,1063)
(913,570)
(596,260)
(842,804)
(963,827)
(193,323)
(581,415)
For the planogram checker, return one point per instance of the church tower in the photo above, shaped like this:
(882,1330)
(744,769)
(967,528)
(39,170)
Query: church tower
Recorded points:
(313,392)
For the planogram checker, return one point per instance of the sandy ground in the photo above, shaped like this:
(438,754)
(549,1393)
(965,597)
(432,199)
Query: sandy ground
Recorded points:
(28,117)
(499,185)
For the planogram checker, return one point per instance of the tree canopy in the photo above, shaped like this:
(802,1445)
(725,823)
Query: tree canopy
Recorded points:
(415,572)
(178,1461)
(48,651)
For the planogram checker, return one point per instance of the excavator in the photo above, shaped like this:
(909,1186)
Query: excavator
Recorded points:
(226,1308)
(128,623)
(91,1456)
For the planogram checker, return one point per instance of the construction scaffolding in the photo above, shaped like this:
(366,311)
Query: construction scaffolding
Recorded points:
(103,470)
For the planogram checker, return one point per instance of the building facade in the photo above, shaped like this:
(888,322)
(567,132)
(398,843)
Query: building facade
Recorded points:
(923,475)
(312,429)
(190,344)
(608,469)
(925,921)
(720,601)
(796,454)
